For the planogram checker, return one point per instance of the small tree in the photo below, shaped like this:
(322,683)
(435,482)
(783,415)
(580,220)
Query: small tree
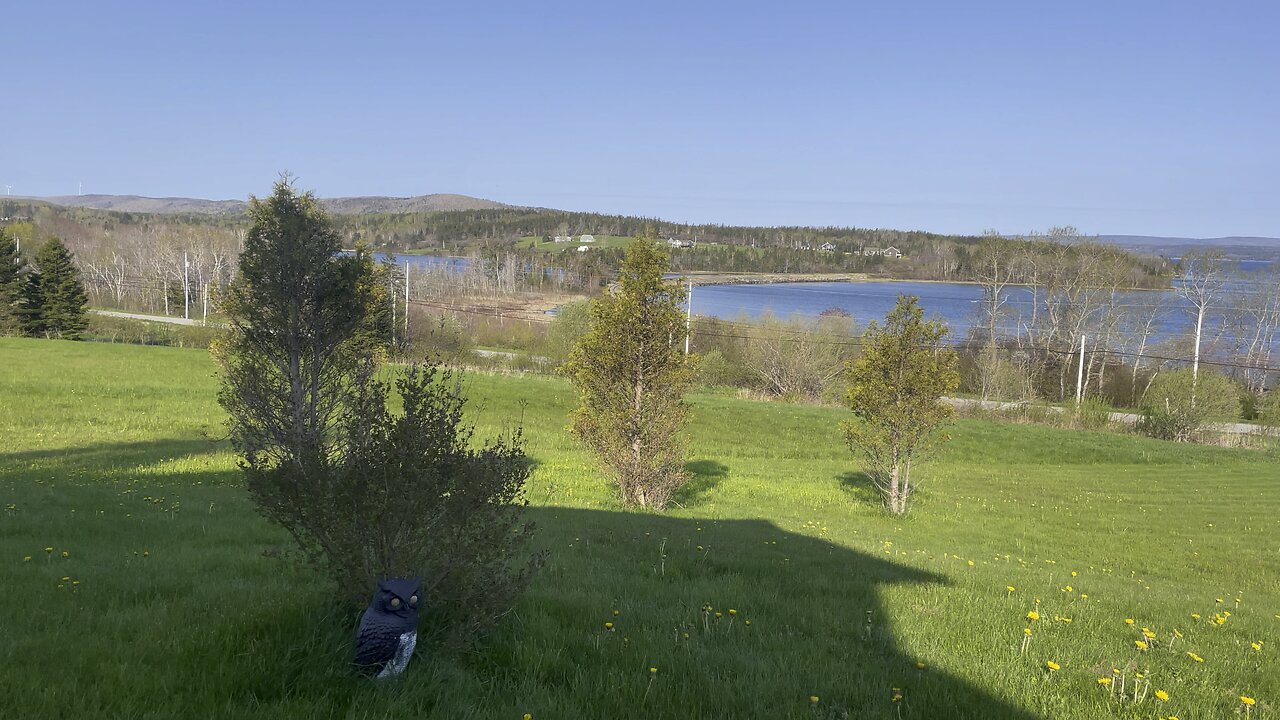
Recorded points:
(1179,404)
(631,376)
(55,300)
(365,494)
(12,279)
(895,392)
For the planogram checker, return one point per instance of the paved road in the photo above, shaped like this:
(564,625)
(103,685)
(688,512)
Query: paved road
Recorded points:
(1120,417)
(153,318)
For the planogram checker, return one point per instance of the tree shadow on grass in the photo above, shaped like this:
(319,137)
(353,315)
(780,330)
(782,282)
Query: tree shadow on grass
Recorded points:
(107,454)
(860,487)
(704,476)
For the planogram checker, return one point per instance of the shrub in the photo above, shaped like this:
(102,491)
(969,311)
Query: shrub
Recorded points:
(1178,405)
(407,495)
(1268,407)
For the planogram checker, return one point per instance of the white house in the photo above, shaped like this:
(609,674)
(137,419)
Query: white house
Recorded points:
(828,247)
(563,238)
(588,238)
(583,248)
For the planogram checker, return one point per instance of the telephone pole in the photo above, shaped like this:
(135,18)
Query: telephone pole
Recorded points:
(186,288)
(1080,374)
(688,318)
(406,303)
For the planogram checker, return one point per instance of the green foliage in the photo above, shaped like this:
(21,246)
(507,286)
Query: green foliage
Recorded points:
(108,329)
(407,496)
(572,321)
(54,303)
(631,376)
(12,280)
(797,358)
(894,393)
(1179,404)
(1268,407)
(295,311)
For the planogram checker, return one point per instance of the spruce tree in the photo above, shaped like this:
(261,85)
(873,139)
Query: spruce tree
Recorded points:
(55,297)
(12,279)
(631,376)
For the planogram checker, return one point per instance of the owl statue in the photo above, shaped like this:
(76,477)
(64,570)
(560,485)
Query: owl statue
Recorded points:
(389,628)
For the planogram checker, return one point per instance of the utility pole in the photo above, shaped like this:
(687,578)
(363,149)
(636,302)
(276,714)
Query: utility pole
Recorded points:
(688,318)
(1080,374)
(186,288)
(406,302)
(391,277)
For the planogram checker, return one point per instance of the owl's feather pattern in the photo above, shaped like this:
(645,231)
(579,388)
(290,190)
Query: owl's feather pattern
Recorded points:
(388,630)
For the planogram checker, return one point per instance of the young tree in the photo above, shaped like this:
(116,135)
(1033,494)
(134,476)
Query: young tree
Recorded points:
(895,392)
(365,494)
(1203,280)
(1181,403)
(55,297)
(631,374)
(12,279)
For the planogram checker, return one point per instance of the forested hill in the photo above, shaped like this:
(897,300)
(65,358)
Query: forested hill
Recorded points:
(340,205)
(505,231)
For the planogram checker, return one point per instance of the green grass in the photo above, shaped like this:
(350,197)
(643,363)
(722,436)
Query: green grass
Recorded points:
(177,600)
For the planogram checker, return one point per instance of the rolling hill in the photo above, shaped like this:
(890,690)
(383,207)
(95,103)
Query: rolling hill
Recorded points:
(341,206)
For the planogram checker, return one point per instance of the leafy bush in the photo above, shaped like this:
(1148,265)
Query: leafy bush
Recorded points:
(1177,405)
(1268,408)
(406,495)
(1093,414)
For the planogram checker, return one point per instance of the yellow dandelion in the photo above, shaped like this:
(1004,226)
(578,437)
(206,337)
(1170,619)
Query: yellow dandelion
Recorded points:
(1104,681)
(1195,657)
(1141,645)
(528,716)
(653,671)
(66,554)
(746,622)
(1074,573)
(1052,666)
(1033,616)
(616,613)
(897,697)
(732,611)
(1010,588)
(1026,631)
(1128,621)
(1248,700)
(813,699)
(1257,647)
(608,626)
(1069,589)
(26,558)
(1162,696)
(1148,634)
(919,666)
(1196,616)
(970,563)
(1139,675)
(719,615)
(48,549)
(1177,632)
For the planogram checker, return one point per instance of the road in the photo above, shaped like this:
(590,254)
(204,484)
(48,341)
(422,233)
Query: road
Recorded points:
(153,318)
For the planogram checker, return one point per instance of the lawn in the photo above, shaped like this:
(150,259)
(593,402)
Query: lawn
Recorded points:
(154,590)
(602,241)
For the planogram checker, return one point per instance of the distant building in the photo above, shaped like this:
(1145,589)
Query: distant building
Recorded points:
(828,247)
(583,248)
(890,251)
(588,238)
(563,238)
(673,242)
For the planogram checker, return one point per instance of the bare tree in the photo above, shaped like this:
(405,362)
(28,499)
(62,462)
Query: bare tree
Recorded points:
(1203,280)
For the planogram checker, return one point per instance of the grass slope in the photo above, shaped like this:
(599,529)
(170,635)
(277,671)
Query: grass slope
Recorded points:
(173,596)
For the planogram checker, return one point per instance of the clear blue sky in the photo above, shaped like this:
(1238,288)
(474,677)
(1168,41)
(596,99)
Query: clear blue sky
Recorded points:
(1116,117)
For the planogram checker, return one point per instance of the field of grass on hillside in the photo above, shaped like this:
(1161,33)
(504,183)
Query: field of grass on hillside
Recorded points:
(137,581)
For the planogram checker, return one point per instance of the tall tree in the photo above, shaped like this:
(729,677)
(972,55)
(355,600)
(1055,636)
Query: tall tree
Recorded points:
(895,392)
(12,278)
(1203,281)
(631,376)
(55,297)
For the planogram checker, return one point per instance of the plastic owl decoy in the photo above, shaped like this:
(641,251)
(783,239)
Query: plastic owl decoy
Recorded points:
(389,628)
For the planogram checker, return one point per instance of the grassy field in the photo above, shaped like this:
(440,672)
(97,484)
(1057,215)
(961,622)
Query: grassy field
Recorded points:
(602,241)
(136,580)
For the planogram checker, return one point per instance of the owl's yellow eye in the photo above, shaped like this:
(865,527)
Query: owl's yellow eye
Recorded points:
(395,602)
(413,600)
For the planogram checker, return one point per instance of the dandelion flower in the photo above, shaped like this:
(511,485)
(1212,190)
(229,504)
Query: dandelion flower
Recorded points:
(1141,645)
(1128,621)
(1162,696)
(919,666)
(616,613)
(1104,681)
(746,622)
(608,626)
(1195,657)
(1052,666)
(813,699)
(66,554)
(732,611)
(1177,632)
(1010,588)
(26,558)
(897,697)
(1074,573)
(48,549)
(1026,631)
(528,716)
(1084,596)
(1195,616)
(1148,634)
(1257,647)
(1248,700)
(1033,616)
(653,671)
(970,563)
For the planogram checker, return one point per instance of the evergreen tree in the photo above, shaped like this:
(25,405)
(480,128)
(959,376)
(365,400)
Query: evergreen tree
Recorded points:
(12,281)
(55,297)
(631,376)
(895,393)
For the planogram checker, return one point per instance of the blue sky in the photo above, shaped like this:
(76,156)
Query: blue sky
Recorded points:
(1116,117)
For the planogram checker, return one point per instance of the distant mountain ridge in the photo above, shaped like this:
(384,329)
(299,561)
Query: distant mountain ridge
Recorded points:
(1234,241)
(364,205)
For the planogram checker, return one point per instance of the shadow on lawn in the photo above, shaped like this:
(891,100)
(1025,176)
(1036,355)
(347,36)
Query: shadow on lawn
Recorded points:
(126,454)
(704,476)
(860,487)
(819,619)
